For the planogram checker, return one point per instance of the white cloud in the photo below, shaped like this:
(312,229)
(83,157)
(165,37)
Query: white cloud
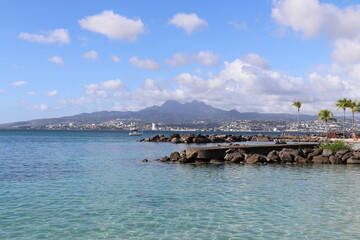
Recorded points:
(99,90)
(115,59)
(18,83)
(31,93)
(2,90)
(146,63)
(238,25)
(313,18)
(179,59)
(57,60)
(115,84)
(206,58)
(42,107)
(91,55)
(52,93)
(59,35)
(114,26)
(256,60)
(189,22)
(346,50)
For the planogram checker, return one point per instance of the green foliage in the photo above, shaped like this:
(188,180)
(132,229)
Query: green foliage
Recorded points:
(335,146)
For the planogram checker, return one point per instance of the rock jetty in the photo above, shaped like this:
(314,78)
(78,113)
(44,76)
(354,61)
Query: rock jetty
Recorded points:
(269,154)
(222,138)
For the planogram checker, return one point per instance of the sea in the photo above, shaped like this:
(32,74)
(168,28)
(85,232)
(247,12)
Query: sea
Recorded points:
(94,185)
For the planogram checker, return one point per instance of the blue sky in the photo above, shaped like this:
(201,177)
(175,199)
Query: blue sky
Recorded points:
(67,57)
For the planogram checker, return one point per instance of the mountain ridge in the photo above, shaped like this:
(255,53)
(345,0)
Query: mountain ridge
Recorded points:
(170,111)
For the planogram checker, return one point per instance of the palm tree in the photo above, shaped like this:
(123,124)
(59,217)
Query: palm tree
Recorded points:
(298,106)
(343,104)
(354,106)
(326,115)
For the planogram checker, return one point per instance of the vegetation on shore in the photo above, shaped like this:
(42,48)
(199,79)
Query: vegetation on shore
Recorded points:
(335,146)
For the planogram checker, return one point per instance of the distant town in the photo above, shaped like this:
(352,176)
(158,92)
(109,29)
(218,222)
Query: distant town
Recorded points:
(233,126)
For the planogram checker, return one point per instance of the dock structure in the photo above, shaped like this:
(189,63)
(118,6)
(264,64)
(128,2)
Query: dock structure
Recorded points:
(218,152)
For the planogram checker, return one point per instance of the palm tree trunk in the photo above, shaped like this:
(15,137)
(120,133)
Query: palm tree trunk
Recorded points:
(352,123)
(298,122)
(344,125)
(326,130)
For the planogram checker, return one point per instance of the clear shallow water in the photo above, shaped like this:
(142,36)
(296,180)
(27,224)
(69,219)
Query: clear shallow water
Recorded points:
(93,185)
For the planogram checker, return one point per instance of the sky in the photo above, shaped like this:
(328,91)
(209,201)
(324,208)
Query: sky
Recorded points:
(60,58)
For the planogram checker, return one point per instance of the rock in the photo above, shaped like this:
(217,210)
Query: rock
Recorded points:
(300,159)
(187,138)
(183,153)
(255,158)
(175,140)
(165,159)
(353,160)
(285,156)
(335,160)
(273,156)
(327,152)
(145,160)
(306,151)
(317,152)
(346,156)
(280,141)
(185,160)
(174,156)
(191,155)
(356,154)
(341,153)
(174,135)
(234,157)
(320,159)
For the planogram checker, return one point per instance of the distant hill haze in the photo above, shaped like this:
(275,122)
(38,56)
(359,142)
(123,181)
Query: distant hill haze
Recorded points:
(170,112)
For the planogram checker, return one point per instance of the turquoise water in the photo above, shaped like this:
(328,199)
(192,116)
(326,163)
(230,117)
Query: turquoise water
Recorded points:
(93,185)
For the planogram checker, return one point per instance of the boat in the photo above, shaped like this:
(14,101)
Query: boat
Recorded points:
(135,132)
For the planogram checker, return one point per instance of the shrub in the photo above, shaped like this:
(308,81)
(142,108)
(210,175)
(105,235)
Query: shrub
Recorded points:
(335,146)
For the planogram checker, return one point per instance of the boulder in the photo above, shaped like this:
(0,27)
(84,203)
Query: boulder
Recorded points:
(234,157)
(174,156)
(174,135)
(317,152)
(191,155)
(320,159)
(285,156)
(353,160)
(356,154)
(165,159)
(175,140)
(256,158)
(187,138)
(346,156)
(216,161)
(273,156)
(300,159)
(335,160)
(341,153)
(327,152)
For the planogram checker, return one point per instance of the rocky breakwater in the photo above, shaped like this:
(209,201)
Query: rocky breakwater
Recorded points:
(284,154)
(196,138)
(222,138)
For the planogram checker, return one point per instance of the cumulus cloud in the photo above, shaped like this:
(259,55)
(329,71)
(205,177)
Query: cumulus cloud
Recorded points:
(18,83)
(99,90)
(146,63)
(313,18)
(31,93)
(205,58)
(238,25)
(59,35)
(52,93)
(91,55)
(42,107)
(56,59)
(115,59)
(189,22)
(256,60)
(114,26)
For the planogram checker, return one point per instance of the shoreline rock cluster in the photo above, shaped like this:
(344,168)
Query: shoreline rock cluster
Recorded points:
(222,138)
(284,156)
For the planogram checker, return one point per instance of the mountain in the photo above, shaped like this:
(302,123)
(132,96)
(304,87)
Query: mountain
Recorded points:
(170,112)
